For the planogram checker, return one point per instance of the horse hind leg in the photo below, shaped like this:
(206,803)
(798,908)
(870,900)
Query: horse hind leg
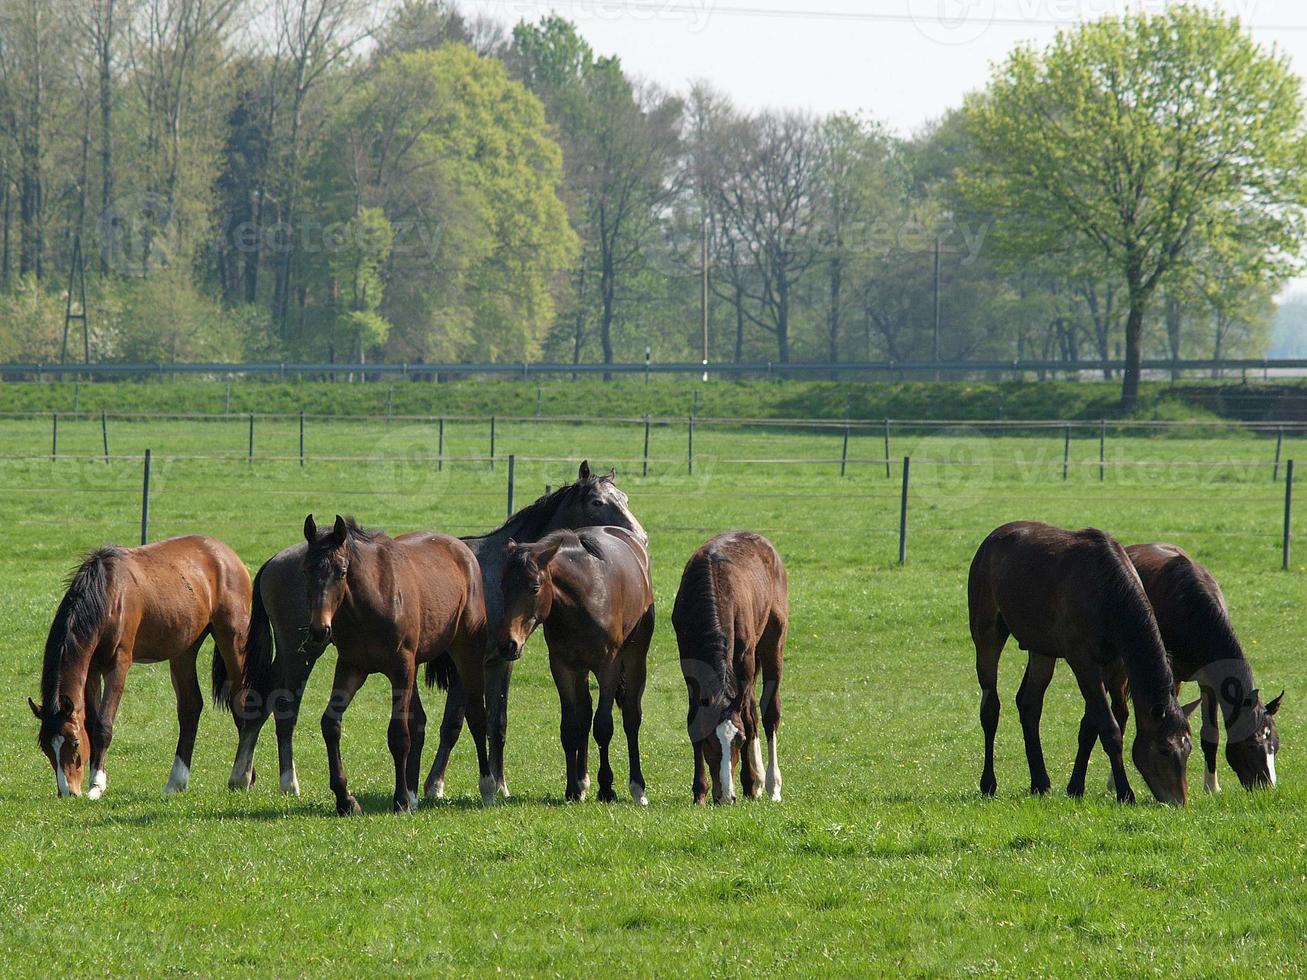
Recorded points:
(1030,706)
(417,728)
(634,665)
(457,704)
(1210,739)
(989,636)
(190,702)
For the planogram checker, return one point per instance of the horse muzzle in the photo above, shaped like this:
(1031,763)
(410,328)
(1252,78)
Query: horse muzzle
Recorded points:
(510,650)
(320,634)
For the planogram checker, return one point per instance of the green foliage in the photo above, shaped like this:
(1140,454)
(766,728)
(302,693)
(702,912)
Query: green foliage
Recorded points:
(31,323)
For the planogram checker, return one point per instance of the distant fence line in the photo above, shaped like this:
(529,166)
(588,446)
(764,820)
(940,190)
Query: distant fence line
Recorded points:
(881,369)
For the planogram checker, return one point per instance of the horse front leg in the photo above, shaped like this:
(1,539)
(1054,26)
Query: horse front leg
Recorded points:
(284,704)
(99,726)
(1210,739)
(1098,723)
(1030,707)
(699,785)
(190,701)
(344,686)
(497,679)
(474,699)
(398,737)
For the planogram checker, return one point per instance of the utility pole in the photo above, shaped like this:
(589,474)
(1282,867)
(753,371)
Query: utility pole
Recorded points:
(937,297)
(703,282)
(76,283)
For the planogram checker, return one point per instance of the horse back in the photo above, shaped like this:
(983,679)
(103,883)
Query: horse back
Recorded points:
(444,573)
(1190,608)
(733,588)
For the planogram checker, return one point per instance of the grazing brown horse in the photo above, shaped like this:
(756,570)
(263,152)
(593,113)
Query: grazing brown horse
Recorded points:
(1200,640)
(1074,595)
(590,590)
(280,611)
(389,604)
(731,616)
(138,605)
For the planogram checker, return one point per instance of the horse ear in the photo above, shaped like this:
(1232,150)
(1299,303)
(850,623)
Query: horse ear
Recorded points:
(546,554)
(310,529)
(1191,707)
(584,472)
(340,532)
(1274,706)
(612,475)
(36,709)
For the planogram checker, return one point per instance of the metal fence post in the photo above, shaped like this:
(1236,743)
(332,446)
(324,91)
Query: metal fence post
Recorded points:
(251,457)
(54,436)
(1066,452)
(690,446)
(887,469)
(903,512)
(440,447)
(512,476)
(1288,509)
(1279,447)
(301,438)
(646,445)
(844,454)
(145,502)
(104,433)
(492,443)
(1102,450)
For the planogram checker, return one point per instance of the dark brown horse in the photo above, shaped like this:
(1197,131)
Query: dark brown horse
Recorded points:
(390,604)
(280,611)
(1074,595)
(590,590)
(731,617)
(138,605)
(1200,640)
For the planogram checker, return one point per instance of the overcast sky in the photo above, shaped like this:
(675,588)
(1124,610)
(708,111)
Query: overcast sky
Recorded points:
(902,61)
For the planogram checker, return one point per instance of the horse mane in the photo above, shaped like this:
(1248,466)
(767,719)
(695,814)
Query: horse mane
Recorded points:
(78,620)
(1204,622)
(697,600)
(1132,627)
(530,523)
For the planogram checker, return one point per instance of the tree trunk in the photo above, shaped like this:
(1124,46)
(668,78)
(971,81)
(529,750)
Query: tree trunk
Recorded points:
(739,323)
(1134,345)
(607,289)
(105,54)
(783,319)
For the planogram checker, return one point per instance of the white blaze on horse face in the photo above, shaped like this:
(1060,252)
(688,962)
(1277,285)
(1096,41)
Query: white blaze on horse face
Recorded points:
(773,770)
(179,778)
(290,781)
(726,733)
(56,748)
(1270,766)
(99,783)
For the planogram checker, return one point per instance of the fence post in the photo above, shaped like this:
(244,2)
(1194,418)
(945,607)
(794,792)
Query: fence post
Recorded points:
(690,447)
(251,437)
(903,512)
(1102,450)
(887,470)
(1066,452)
(104,433)
(1279,446)
(1288,509)
(390,402)
(145,502)
(301,438)
(77,398)
(440,447)
(512,475)
(492,444)
(54,436)
(540,395)
(227,410)
(645,472)
(844,454)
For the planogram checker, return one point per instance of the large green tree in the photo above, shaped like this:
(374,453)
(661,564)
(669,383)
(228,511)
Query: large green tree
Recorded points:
(1144,135)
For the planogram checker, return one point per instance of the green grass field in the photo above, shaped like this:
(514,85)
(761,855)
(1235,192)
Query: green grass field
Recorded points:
(882,858)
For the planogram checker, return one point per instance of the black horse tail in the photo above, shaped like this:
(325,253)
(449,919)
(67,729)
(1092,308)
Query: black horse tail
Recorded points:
(440,671)
(79,620)
(258,653)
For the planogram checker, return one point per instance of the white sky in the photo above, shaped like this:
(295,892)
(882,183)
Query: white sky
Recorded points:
(901,61)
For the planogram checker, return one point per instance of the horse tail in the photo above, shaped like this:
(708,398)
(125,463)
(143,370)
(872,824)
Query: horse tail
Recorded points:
(440,671)
(258,650)
(699,600)
(80,618)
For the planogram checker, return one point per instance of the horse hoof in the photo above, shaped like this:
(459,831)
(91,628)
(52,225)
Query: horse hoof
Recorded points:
(401,805)
(290,783)
(1039,789)
(349,808)
(574,794)
(1075,791)
(435,790)
(988,787)
(638,794)
(607,795)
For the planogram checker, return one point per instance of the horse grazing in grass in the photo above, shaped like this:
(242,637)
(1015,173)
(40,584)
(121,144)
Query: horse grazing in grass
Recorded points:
(1195,625)
(138,605)
(731,617)
(1074,595)
(280,611)
(390,604)
(590,590)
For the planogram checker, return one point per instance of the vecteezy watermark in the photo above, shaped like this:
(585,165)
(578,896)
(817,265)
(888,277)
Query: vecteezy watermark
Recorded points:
(694,15)
(952,21)
(137,232)
(406,462)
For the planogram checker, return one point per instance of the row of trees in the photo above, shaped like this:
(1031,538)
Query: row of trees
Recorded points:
(306,179)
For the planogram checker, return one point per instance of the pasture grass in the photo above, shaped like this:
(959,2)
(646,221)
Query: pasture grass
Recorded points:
(881,859)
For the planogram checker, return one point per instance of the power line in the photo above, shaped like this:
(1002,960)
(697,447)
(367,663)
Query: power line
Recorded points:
(710,10)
